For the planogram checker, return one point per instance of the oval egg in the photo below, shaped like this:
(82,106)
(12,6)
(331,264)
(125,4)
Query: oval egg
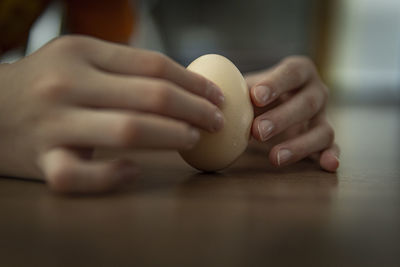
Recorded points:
(216,151)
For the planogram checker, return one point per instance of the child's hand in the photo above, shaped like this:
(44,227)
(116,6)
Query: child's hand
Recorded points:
(291,101)
(78,93)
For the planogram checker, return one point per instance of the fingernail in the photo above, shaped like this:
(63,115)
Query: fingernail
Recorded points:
(194,138)
(261,93)
(283,156)
(215,92)
(265,128)
(218,121)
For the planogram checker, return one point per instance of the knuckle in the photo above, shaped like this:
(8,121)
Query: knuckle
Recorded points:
(51,86)
(157,64)
(312,102)
(68,43)
(161,97)
(293,70)
(306,61)
(300,61)
(127,132)
(297,66)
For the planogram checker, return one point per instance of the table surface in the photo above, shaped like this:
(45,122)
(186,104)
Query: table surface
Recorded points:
(249,215)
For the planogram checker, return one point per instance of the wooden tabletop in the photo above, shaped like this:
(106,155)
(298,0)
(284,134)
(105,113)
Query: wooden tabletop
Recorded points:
(249,215)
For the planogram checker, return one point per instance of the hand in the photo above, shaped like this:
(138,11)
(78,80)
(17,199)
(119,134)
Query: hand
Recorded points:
(290,101)
(78,93)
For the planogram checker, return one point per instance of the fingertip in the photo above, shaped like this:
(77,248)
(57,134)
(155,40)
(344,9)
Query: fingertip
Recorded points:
(258,95)
(214,93)
(329,162)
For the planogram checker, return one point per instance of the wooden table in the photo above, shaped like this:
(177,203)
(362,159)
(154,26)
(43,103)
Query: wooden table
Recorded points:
(249,215)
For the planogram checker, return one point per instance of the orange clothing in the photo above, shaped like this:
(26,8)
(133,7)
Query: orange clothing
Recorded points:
(105,19)
(109,20)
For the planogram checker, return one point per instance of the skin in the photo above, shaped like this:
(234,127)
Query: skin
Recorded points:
(290,105)
(78,93)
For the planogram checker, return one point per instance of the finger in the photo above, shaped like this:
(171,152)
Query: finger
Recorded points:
(316,139)
(121,59)
(315,156)
(66,172)
(254,78)
(329,159)
(290,74)
(150,95)
(299,108)
(117,129)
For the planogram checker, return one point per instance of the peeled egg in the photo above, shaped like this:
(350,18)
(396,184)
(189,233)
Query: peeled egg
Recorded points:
(216,151)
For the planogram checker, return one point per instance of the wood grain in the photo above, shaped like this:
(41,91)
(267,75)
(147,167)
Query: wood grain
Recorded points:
(250,215)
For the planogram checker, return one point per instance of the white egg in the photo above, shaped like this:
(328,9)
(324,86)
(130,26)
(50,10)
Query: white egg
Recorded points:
(216,151)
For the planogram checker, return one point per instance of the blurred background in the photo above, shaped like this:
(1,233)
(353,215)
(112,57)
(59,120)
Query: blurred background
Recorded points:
(355,43)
